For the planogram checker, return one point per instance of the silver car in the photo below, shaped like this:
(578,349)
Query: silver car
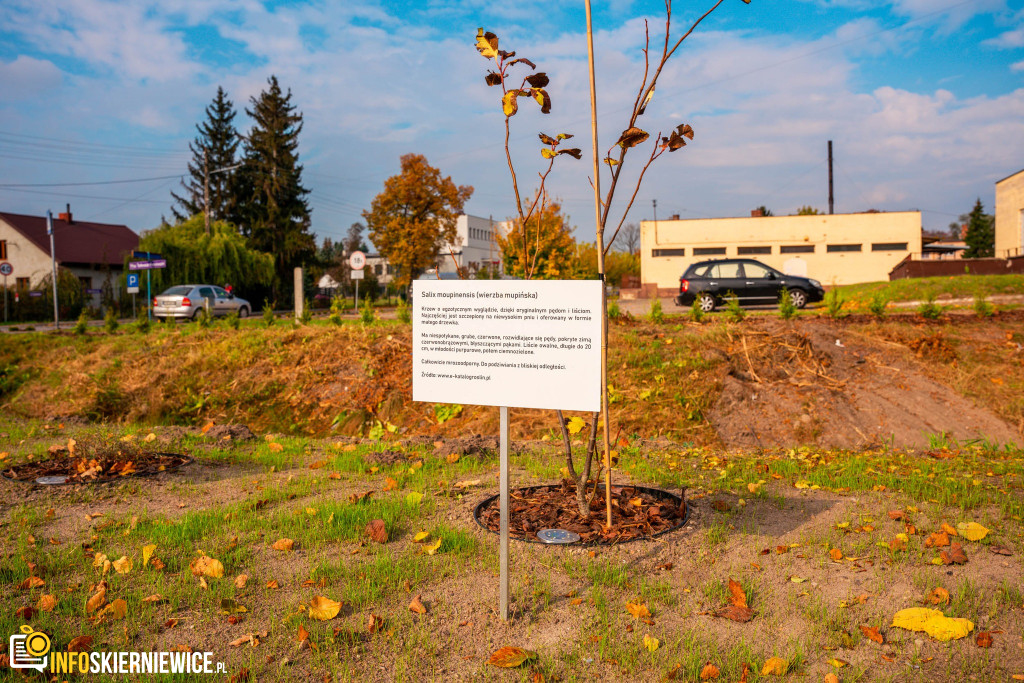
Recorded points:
(187,301)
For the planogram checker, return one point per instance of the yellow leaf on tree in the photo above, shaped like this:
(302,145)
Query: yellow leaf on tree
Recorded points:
(575,425)
(933,622)
(147,553)
(972,531)
(486,44)
(322,608)
(651,643)
(775,666)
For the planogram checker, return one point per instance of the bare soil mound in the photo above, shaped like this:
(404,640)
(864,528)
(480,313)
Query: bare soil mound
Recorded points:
(821,382)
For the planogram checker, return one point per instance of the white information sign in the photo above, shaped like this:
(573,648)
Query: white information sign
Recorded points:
(516,343)
(357,275)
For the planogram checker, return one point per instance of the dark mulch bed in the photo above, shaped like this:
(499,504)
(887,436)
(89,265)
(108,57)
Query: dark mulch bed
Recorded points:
(100,468)
(637,513)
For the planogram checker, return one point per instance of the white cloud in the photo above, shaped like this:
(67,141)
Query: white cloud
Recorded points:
(27,77)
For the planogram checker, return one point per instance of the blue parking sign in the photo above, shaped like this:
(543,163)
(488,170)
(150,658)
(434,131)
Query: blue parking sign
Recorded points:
(133,283)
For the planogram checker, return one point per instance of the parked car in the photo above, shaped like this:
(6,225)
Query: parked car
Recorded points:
(186,301)
(710,283)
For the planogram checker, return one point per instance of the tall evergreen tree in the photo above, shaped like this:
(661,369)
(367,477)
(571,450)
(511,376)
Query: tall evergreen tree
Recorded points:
(981,233)
(214,148)
(275,214)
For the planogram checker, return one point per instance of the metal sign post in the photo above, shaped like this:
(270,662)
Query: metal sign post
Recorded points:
(150,263)
(133,289)
(357,261)
(53,260)
(503,509)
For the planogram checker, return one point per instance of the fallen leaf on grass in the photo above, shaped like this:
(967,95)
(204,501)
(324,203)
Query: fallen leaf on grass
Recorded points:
(651,643)
(207,566)
(170,623)
(122,566)
(432,548)
(838,663)
(938,596)
(275,447)
(933,622)
(31,582)
(417,606)
(390,484)
(323,609)
(938,539)
(949,529)
(871,633)
(896,514)
(273,585)
(97,599)
(241,580)
(421,536)
(638,610)
(47,603)
(775,666)
(157,563)
(116,610)
(836,554)
(357,498)
(377,531)
(147,553)
(302,635)
(467,483)
(983,639)
(152,598)
(831,678)
(955,555)
(709,672)
(80,644)
(972,531)
(1001,550)
(511,657)
(284,544)
(374,624)
(229,606)
(317,465)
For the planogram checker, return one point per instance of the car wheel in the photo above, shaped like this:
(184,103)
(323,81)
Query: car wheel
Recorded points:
(195,314)
(798,297)
(243,312)
(706,302)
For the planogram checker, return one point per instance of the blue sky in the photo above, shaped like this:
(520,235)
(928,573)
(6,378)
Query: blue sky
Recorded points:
(924,100)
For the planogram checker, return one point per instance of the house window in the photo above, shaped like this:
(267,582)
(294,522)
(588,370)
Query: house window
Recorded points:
(889,246)
(842,247)
(797,249)
(668,252)
(378,269)
(3,250)
(22,283)
(742,251)
(709,251)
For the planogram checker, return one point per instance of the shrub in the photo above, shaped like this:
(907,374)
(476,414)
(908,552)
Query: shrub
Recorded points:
(732,308)
(142,324)
(110,323)
(232,320)
(655,315)
(834,303)
(696,312)
(404,312)
(877,305)
(204,318)
(982,308)
(337,306)
(930,310)
(83,323)
(268,312)
(787,309)
(307,312)
(366,312)
(613,309)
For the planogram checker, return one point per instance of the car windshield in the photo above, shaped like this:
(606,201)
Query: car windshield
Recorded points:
(180,290)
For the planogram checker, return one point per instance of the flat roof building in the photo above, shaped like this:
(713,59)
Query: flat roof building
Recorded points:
(1010,216)
(837,249)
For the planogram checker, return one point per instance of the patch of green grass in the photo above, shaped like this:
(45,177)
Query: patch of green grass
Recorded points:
(919,289)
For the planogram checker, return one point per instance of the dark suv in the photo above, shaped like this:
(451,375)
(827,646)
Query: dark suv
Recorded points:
(710,283)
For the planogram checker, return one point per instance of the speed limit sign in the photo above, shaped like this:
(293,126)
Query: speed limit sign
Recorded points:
(357,260)
(6,269)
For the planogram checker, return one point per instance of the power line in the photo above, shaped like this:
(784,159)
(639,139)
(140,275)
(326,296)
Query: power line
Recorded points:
(99,182)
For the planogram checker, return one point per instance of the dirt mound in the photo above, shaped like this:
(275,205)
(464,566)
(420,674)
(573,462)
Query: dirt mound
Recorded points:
(232,432)
(819,382)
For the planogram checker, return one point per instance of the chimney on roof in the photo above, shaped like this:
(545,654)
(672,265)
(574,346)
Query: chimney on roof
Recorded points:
(674,217)
(757,213)
(66,217)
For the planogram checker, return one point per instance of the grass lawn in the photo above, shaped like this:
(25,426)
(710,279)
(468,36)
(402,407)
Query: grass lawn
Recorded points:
(826,546)
(921,289)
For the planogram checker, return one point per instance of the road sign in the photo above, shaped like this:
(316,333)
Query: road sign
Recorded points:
(357,274)
(357,260)
(133,283)
(94,291)
(148,255)
(6,269)
(147,265)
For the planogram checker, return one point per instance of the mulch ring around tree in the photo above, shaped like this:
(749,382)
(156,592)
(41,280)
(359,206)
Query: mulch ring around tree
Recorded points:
(68,469)
(637,513)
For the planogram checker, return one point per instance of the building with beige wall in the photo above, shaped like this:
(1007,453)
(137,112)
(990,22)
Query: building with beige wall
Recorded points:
(838,249)
(1010,216)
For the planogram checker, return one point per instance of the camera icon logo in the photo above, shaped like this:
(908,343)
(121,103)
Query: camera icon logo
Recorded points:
(29,649)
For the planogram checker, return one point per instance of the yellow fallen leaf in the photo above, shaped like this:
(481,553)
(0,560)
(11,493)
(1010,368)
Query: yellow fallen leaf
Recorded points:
(831,678)
(972,531)
(933,622)
(838,663)
(275,447)
(150,438)
(836,554)
(432,548)
(115,610)
(775,666)
(147,553)
(575,425)
(710,672)
(323,609)
(651,643)
(421,536)
(511,657)
(47,603)
(122,566)
(241,580)
(638,610)
(207,566)
(452,458)
(284,544)
(949,530)
(97,599)
(98,559)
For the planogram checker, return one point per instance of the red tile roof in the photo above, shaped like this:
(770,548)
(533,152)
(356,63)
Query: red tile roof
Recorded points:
(78,241)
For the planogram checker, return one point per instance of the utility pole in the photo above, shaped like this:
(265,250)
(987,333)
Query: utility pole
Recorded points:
(655,202)
(831,200)
(206,188)
(53,263)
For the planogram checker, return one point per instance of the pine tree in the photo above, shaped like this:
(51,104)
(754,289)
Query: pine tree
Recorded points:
(275,214)
(981,234)
(213,149)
